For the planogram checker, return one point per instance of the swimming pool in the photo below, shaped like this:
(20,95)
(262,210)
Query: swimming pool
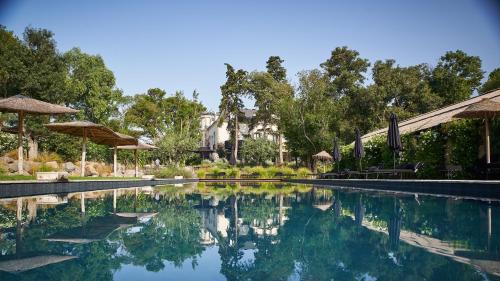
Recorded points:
(266,231)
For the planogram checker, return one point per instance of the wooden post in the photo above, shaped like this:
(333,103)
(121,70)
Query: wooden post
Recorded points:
(20,154)
(84,152)
(136,164)
(115,160)
(487,128)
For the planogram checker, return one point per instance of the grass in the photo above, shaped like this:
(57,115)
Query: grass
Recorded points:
(16,177)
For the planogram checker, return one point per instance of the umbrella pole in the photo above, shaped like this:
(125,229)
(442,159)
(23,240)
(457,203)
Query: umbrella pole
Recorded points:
(20,154)
(115,168)
(136,164)
(394,160)
(487,128)
(84,152)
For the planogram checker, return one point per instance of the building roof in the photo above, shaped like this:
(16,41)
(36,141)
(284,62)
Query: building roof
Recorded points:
(436,117)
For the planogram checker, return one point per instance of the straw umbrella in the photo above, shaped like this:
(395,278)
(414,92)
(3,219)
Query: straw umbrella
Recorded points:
(359,151)
(139,146)
(96,132)
(393,137)
(23,105)
(322,156)
(336,154)
(485,109)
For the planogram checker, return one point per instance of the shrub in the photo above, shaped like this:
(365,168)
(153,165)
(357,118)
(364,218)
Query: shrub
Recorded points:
(41,168)
(303,172)
(48,156)
(12,154)
(3,169)
(201,173)
(172,171)
(233,172)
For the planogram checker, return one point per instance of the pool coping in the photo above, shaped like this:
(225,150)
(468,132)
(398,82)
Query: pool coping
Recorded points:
(468,188)
(31,188)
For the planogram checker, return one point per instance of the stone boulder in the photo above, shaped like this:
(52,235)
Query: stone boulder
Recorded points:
(53,165)
(69,167)
(90,171)
(129,173)
(6,160)
(27,166)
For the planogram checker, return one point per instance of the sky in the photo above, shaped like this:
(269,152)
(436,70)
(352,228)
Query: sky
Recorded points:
(183,45)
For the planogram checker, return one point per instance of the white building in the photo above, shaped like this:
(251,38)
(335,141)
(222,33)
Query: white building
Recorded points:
(214,136)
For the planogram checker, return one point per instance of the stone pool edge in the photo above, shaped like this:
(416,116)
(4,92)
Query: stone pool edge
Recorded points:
(472,188)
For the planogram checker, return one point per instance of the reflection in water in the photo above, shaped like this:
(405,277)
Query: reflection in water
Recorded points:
(237,232)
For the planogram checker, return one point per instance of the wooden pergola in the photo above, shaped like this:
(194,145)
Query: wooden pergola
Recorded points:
(23,105)
(97,133)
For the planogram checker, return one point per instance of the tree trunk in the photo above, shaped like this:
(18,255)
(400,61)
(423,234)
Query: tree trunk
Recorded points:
(280,149)
(33,148)
(234,152)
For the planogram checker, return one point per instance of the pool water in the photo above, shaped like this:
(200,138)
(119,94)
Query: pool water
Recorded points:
(256,232)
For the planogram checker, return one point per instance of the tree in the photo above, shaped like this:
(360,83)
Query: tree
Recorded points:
(456,76)
(13,70)
(258,151)
(310,118)
(274,67)
(345,69)
(91,87)
(493,82)
(403,90)
(235,88)
(170,122)
(269,94)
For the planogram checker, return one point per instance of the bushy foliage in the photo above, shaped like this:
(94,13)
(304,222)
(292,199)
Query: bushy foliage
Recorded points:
(258,151)
(172,171)
(48,156)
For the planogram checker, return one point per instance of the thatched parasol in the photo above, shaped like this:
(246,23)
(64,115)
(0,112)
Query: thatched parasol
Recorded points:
(96,132)
(322,156)
(139,146)
(23,105)
(485,109)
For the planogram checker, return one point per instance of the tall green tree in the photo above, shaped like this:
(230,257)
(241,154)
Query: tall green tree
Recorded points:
(90,87)
(492,83)
(275,68)
(403,90)
(171,122)
(456,76)
(234,89)
(346,71)
(13,69)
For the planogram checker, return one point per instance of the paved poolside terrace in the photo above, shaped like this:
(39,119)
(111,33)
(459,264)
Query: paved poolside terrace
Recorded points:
(463,188)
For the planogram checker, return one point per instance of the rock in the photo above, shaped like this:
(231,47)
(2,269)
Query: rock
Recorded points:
(63,176)
(53,165)
(129,173)
(69,167)
(27,166)
(6,160)
(91,171)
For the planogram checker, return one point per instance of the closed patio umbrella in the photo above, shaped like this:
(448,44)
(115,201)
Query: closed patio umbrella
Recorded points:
(23,105)
(96,132)
(485,109)
(393,137)
(359,151)
(336,153)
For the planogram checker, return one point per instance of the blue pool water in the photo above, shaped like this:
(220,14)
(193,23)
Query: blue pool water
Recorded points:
(258,232)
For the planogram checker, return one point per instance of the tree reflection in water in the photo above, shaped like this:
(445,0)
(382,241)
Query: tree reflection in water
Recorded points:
(259,233)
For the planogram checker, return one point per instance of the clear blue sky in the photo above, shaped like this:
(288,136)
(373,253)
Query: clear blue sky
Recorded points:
(183,45)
